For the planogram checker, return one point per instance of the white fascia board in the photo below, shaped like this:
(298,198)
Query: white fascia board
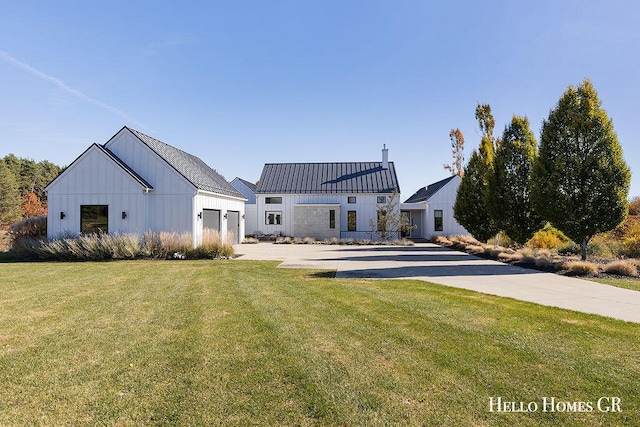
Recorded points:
(223,196)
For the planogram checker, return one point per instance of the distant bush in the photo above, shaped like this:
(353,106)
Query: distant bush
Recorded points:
(631,247)
(34,228)
(634,206)
(286,240)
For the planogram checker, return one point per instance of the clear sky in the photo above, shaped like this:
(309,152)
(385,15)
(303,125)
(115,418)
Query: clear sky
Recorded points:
(243,83)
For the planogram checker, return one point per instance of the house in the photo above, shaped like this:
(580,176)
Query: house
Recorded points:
(323,200)
(248,190)
(135,183)
(430,209)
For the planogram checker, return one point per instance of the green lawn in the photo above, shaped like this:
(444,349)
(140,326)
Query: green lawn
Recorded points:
(629,283)
(243,343)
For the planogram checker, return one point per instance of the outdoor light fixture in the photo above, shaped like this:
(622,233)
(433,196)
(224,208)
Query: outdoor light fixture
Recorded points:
(200,215)
(62,215)
(124,215)
(225,216)
(242,216)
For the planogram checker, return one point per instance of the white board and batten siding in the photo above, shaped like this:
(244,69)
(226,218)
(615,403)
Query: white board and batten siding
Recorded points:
(96,180)
(204,200)
(444,200)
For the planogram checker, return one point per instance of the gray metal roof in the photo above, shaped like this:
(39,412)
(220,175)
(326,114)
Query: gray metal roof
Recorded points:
(189,166)
(317,178)
(425,193)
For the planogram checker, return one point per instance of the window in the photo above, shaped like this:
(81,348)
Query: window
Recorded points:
(273,200)
(438,221)
(351,220)
(332,218)
(381,199)
(273,218)
(94,219)
(351,199)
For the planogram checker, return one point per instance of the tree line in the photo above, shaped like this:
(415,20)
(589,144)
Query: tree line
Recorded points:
(22,183)
(575,178)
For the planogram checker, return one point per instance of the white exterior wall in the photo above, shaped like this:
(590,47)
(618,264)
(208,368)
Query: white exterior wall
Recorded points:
(365,207)
(95,180)
(251,218)
(204,200)
(246,191)
(444,200)
(170,206)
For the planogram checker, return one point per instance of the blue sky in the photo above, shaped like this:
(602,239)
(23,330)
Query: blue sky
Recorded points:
(244,83)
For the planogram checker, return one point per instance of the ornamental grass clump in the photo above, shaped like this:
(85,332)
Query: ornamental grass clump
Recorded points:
(621,268)
(581,268)
(101,247)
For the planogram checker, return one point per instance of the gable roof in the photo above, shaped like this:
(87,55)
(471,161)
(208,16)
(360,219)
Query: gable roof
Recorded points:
(425,193)
(115,159)
(189,166)
(250,185)
(317,178)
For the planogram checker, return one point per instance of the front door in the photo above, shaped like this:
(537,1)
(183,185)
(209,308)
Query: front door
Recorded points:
(416,223)
(233,225)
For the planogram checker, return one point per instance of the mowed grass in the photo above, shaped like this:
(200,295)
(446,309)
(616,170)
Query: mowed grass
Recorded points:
(632,283)
(244,343)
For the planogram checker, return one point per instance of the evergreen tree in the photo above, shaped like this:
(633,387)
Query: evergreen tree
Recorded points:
(10,210)
(470,209)
(580,180)
(508,191)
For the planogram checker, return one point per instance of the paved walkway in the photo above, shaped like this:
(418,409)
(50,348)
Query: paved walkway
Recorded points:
(435,264)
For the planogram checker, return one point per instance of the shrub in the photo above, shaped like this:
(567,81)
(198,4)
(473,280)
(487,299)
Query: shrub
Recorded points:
(548,238)
(580,268)
(250,240)
(621,268)
(35,228)
(441,240)
(631,247)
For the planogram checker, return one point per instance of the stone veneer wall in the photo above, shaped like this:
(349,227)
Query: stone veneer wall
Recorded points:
(313,221)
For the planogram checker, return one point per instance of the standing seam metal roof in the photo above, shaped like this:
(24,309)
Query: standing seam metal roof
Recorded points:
(317,178)
(189,166)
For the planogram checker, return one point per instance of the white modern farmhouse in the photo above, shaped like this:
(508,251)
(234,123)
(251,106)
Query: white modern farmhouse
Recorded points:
(323,200)
(134,184)
(430,209)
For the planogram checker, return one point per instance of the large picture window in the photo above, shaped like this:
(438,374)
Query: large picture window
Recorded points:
(351,221)
(94,219)
(438,224)
(273,218)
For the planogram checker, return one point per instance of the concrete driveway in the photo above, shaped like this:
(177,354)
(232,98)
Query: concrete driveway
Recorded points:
(440,265)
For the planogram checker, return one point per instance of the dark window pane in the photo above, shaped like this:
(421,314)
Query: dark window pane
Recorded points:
(94,219)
